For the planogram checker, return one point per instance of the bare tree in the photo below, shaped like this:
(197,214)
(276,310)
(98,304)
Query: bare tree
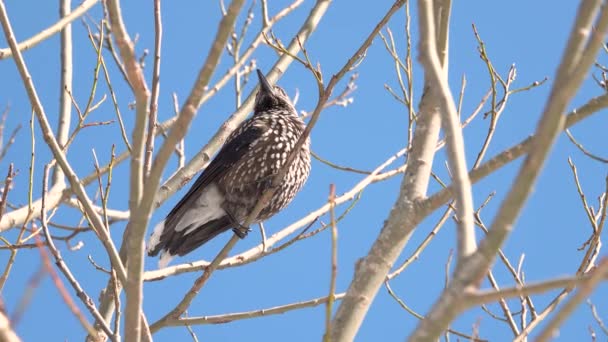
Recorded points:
(149,144)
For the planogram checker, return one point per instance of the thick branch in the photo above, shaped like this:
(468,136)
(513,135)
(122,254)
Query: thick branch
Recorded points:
(135,243)
(65,104)
(437,79)
(7,334)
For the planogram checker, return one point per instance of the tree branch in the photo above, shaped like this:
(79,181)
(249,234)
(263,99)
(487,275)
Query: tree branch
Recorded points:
(134,242)
(65,104)
(226,318)
(7,333)
(436,75)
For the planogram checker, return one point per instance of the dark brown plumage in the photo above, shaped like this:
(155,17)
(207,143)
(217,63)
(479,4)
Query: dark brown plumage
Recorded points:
(228,189)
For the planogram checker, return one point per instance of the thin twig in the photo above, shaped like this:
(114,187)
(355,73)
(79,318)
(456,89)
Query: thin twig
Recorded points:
(584,150)
(225,318)
(436,75)
(80,293)
(334,262)
(153,111)
(597,318)
(419,316)
(65,108)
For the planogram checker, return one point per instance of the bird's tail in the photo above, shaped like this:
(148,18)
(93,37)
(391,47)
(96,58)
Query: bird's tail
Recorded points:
(170,242)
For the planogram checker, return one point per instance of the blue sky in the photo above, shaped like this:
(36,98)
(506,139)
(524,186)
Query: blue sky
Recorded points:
(551,228)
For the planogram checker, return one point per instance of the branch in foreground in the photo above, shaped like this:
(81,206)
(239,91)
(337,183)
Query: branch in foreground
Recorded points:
(67,68)
(7,334)
(84,297)
(436,78)
(153,110)
(134,314)
(334,262)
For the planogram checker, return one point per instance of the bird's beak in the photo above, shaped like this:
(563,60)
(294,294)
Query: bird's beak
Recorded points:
(264,85)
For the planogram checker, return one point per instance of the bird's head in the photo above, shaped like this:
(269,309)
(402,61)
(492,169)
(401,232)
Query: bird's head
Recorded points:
(271,97)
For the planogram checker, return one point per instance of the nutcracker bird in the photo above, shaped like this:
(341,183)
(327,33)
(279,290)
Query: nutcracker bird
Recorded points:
(228,189)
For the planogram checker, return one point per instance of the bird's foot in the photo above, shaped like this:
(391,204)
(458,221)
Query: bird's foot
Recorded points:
(241,231)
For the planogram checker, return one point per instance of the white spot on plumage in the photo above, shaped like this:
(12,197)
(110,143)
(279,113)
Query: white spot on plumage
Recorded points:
(155,237)
(165,259)
(207,208)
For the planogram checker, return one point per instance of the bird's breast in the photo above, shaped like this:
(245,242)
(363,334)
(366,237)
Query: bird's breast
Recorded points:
(252,175)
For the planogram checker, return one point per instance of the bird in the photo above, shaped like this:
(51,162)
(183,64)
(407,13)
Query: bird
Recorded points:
(227,190)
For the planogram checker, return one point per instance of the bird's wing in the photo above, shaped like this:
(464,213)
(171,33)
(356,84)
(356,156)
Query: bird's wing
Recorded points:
(237,145)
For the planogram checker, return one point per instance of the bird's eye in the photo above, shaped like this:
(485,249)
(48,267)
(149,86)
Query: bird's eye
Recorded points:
(280,91)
